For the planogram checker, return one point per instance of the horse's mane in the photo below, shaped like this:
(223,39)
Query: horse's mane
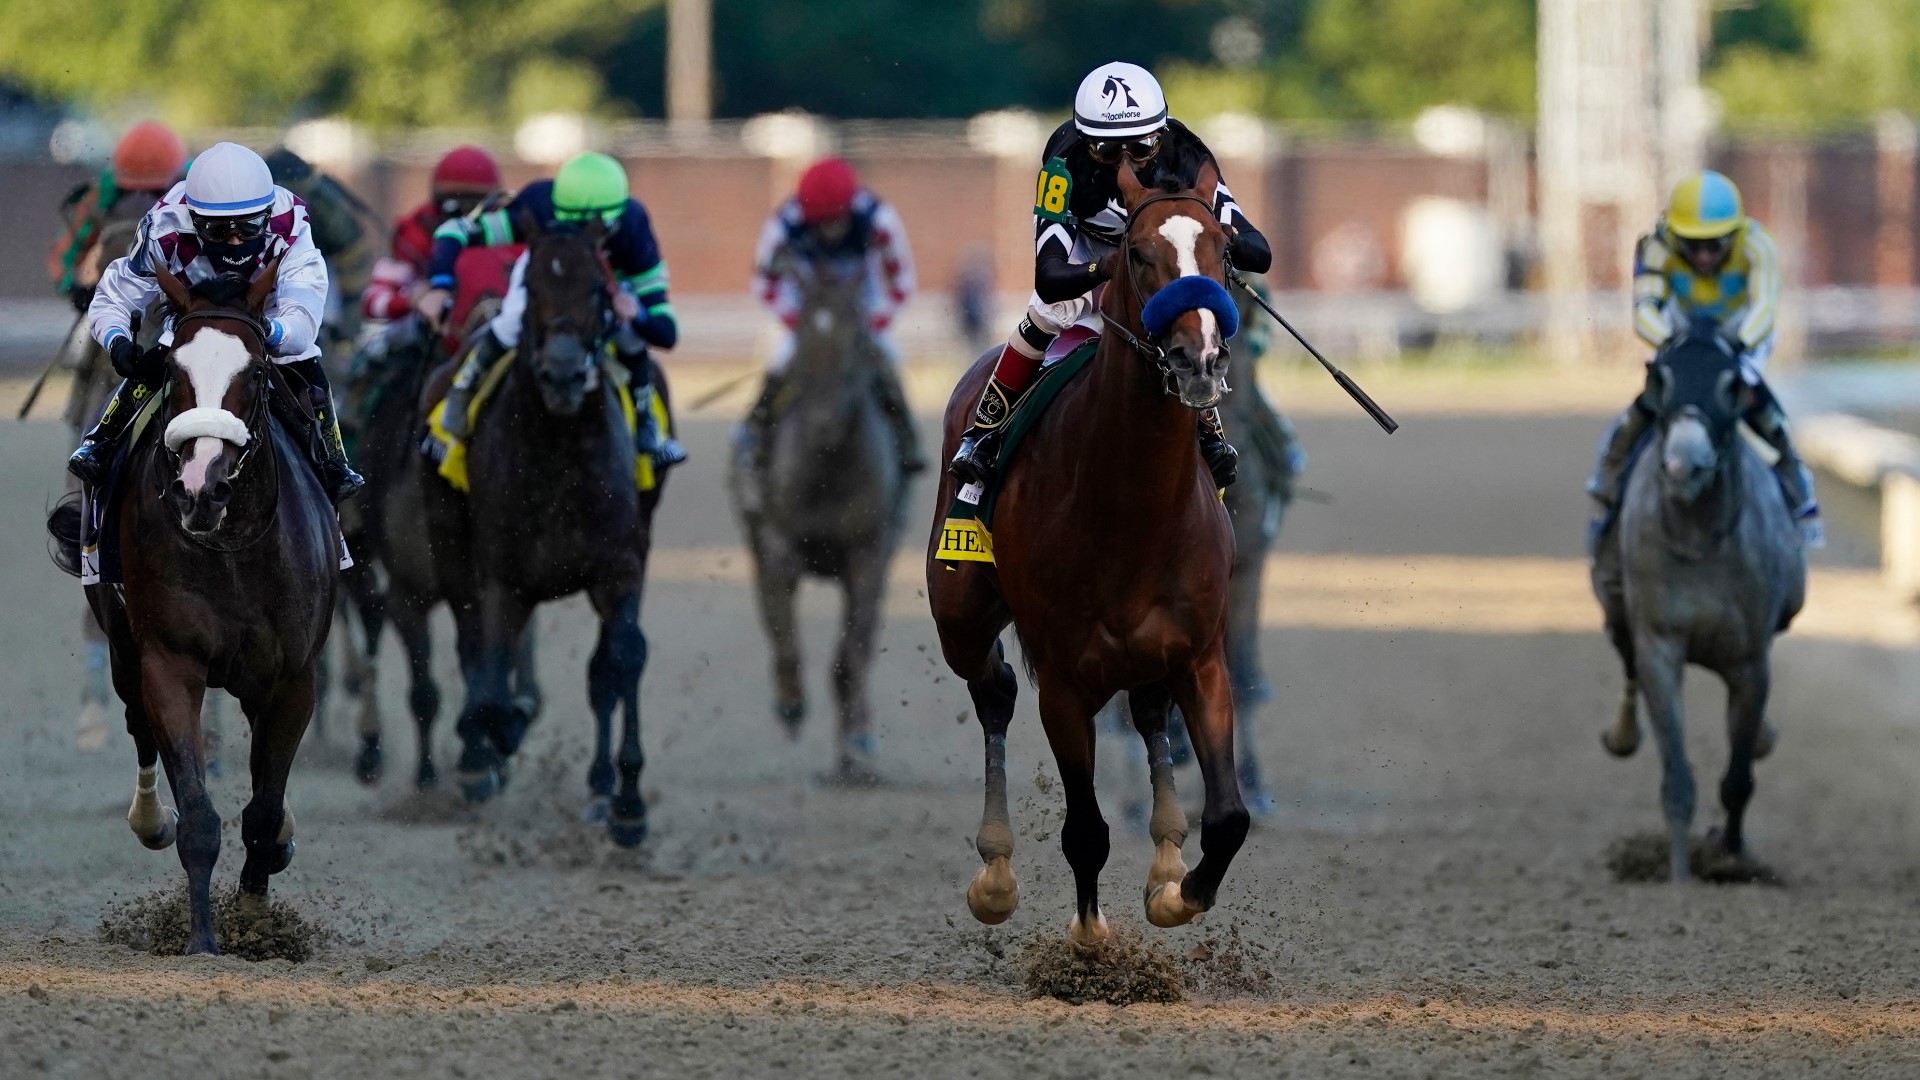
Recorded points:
(225,290)
(1176,168)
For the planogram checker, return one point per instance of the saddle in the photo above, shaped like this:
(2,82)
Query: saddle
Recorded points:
(966,535)
(451,453)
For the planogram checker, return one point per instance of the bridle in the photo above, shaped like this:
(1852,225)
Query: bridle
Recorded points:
(256,420)
(595,337)
(1149,347)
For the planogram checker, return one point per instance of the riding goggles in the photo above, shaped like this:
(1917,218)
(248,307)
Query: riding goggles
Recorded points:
(230,230)
(1713,248)
(1110,151)
(458,206)
(609,215)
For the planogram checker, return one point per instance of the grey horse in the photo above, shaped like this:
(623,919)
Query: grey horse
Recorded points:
(823,497)
(1703,565)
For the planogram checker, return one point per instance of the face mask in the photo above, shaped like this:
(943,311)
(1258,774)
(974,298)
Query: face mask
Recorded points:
(237,258)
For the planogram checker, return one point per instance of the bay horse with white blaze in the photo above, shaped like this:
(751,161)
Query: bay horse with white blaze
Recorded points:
(1111,554)
(229,550)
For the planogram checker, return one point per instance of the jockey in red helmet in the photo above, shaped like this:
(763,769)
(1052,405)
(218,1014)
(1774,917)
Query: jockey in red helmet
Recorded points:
(834,224)
(463,181)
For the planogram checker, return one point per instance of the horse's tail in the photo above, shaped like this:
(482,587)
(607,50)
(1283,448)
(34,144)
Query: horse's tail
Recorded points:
(63,533)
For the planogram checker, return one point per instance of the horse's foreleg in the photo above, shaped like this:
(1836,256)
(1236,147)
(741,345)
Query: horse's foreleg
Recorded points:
(625,649)
(152,823)
(266,825)
(993,893)
(1249,681)
(864,587)
(1660,665)
(776,580)
(1168,825)
(1068,717)
(603,694)
(361,596)
(1206,699)
(491,726)
(1747,688)
(1622,738)
(526,676)
(171,690)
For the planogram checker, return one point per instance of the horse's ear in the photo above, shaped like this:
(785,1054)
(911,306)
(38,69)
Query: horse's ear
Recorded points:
(1131,190)
(1209,181)
(173,287)
(262,287)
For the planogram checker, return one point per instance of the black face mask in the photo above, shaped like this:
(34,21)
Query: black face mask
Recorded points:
(237,258)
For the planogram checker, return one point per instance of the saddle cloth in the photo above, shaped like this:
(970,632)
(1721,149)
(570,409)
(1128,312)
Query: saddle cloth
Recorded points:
(451,453)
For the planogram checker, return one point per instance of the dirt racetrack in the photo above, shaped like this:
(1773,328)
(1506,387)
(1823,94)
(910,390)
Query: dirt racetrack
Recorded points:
(1430,899)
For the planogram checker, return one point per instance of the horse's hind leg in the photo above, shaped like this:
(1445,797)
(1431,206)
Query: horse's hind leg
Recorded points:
(1067,716)
(362,677)
(266,825)
(613,678)
(993,893)
(526,676)
(172,689)
(1168,825)
(1622,737)
(1204,695)
(1661,665)
(492,725)
(1747,688)
(409,616)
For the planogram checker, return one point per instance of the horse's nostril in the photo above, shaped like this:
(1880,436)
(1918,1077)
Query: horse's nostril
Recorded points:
(220,493)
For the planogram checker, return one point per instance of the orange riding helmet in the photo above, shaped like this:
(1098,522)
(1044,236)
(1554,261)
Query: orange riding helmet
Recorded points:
(148,157)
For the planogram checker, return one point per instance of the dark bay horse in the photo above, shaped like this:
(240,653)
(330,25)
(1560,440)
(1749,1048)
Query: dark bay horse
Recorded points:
(1111,555)
(1703,566)
(230,551)
(393,535)
(553,510)
(828,504)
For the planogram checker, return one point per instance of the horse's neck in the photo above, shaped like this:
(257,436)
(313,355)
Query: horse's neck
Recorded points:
(1131,416)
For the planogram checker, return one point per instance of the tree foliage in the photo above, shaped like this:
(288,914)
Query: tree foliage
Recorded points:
(1815,63)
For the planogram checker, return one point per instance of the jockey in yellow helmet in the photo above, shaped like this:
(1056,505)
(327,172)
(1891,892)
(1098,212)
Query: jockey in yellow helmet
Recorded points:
(1707,257)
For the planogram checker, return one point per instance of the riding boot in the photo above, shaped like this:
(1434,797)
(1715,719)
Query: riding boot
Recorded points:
(1013,373)
(97,448)
(1223,461)
(1609,475)
(328,449)
(648,439)
(893,404)
(480,359)
(1769,421)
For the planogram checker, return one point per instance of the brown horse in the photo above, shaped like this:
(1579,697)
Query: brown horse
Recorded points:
(1111,554)
(229,550)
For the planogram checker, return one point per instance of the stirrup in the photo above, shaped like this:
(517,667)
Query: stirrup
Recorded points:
(87,463)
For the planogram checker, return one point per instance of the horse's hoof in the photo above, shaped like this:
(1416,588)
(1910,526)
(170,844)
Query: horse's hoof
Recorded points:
(426,778)
(1087,936)
(1764,741)
(163,838)
(597,811)
(1168,866)
(790,715)
(529,706)
(371,764)
(478,787)
(627,832)
(281,859)
(1166,908)
(1621,744)
(198,947)
(993,893)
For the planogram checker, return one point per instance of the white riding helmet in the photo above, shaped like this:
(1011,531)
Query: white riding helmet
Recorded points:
(1119,100)
(229,180)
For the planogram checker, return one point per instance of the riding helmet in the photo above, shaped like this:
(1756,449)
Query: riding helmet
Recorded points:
(1119,100)
(148,157)
(588,185)
(1705,206)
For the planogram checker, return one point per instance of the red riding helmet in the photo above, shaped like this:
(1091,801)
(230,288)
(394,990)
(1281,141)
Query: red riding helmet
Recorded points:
(466,170)
(148,157)
(826,190)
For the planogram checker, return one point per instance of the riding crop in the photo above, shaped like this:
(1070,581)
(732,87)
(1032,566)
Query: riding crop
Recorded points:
(1387,423)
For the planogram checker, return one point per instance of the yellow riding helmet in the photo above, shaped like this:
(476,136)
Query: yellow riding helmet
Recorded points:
(1705,206)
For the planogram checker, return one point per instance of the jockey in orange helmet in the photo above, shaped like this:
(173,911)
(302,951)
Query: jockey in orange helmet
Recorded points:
(146,162)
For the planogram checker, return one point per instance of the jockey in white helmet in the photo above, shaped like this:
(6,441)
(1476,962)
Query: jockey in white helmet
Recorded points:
(226,217)
(1118,113)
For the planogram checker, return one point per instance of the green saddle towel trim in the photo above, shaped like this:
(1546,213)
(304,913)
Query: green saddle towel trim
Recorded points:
(966,535)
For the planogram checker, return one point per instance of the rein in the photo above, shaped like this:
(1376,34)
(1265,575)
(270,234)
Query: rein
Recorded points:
(1148,348)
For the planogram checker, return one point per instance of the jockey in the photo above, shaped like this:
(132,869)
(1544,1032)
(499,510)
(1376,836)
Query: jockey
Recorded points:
(464,180)
(834,224)
(1119,111)
(589,186)
(227,217)
(1706,257)
(146,162)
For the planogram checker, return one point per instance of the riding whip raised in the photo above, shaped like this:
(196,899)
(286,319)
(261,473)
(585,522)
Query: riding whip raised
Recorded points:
(1387,423)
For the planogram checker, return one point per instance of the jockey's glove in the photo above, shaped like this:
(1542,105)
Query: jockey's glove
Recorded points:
(125,357)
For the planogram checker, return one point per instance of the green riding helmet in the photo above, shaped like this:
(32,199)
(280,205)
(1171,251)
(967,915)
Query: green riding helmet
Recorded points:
(590,185)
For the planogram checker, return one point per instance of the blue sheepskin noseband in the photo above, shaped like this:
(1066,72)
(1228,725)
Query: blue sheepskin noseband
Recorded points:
(1194,292)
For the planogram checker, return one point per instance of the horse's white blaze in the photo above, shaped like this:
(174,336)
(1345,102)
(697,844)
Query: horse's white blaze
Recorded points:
(194,465)
(1183,233)
(211,360)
